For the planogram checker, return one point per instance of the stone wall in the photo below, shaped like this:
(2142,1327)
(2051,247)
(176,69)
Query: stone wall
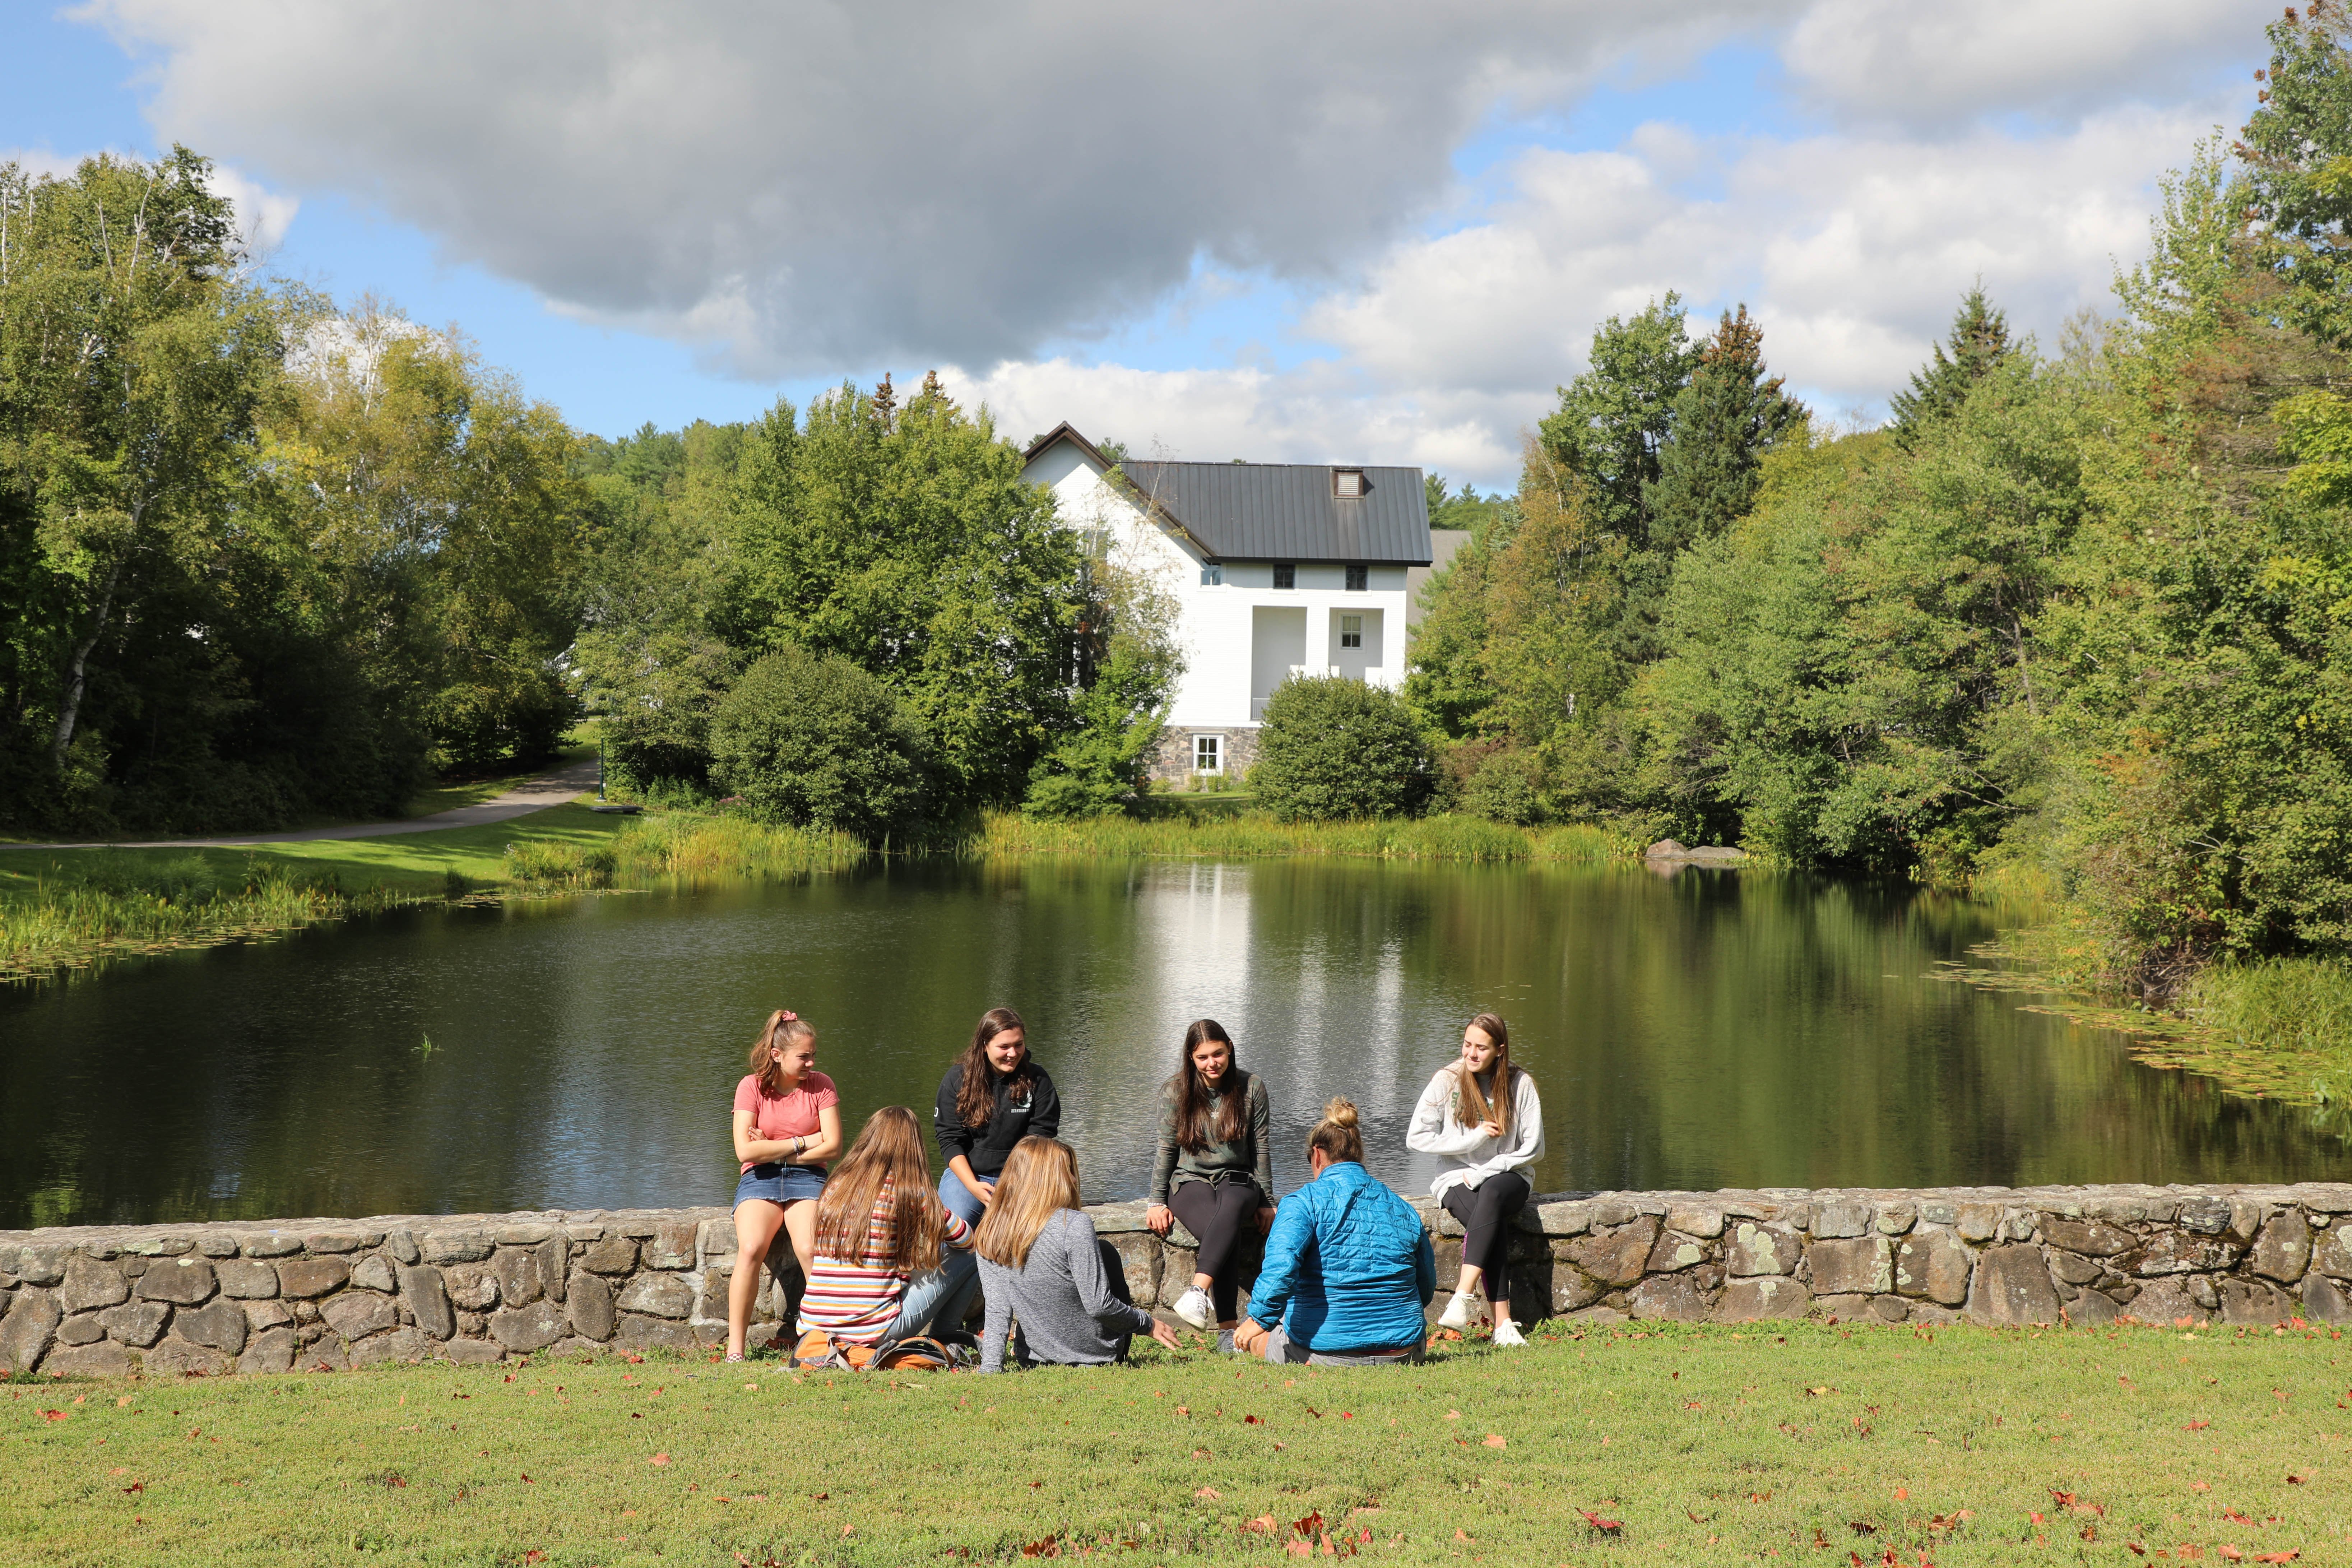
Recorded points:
(331,1294)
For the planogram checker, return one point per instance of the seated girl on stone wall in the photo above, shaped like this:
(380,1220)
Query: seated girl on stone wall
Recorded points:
(1041,1261)
(1214,1170)
(787,1124)
(1482,1118)
(882,1237)
(1349,1270)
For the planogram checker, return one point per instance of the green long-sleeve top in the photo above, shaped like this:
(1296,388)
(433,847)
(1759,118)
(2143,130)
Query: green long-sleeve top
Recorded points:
(1252,1154)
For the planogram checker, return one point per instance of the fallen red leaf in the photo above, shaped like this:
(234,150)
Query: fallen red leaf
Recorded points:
(2295,1481)
(136,1487)
(1263,1524)
(1497,1440)
(2278,1557)
(2231,1553)
(1211,1493)
(2197,1425)
(1465,1540)
(1311,1525)
(2234,1517)
(658,1459)
(60,1416)
(1605,1526)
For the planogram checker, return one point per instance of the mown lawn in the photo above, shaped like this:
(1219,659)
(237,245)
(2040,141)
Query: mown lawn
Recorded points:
(1706,1445)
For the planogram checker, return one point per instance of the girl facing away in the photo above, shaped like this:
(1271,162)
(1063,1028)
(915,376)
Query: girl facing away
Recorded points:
(994,1096)
(787,1125)
(1214,1170)
(1041,1261)
(1482,1118)
(881,1237)
(1348,1268)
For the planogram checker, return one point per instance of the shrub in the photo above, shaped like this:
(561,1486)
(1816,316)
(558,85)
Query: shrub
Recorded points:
(1336,748)
(1506,786)
(814,740)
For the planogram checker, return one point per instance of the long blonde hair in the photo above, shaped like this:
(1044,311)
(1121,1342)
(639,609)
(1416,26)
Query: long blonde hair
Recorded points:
(888,1154)
(1040,1180)
(783,1025)
(1474,1106)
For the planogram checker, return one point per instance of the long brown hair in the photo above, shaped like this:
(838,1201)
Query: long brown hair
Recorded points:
(1192,1094)
(885,1164)
(1040,1180)
(976,1096)
(1337,1135)
(1474,1106)
(783,1025)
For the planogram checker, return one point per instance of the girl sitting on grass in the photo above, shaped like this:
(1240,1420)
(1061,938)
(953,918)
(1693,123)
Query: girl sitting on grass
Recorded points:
(881,1235)
(1040,1260)
(1349,1270)
(994,1096)
(787,1124)
(1214,1170)
(1481,1118)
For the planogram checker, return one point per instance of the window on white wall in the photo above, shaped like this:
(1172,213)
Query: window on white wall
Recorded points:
(1357,578)
(1212,575)
(1285,574)
(1351,631)
(1208,754)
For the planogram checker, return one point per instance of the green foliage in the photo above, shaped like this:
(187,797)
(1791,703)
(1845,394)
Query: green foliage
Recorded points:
(1980,342)
(1334,749)
(2296,151)
(811,739)
(1613,420)
(1725,420)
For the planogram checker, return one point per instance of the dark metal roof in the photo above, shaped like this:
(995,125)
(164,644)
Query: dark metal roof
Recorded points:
(1286,512)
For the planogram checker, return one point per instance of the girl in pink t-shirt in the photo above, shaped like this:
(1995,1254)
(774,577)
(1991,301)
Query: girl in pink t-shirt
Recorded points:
(787,1124)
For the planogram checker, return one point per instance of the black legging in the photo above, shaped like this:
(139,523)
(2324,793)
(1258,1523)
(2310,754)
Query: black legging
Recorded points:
(1486,1212)
(1216,1213)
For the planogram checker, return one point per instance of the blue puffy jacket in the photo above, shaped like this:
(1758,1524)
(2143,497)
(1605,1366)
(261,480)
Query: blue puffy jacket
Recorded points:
(1347,1265)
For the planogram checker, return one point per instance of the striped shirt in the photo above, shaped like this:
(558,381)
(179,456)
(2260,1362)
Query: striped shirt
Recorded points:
(857,1299)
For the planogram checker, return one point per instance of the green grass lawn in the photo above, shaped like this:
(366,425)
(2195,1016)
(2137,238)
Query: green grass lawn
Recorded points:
(1706,1445)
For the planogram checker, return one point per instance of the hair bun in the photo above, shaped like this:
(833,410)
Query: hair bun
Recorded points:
(1341,1111)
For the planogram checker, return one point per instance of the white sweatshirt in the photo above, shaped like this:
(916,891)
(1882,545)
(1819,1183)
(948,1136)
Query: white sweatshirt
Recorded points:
(1466,1156)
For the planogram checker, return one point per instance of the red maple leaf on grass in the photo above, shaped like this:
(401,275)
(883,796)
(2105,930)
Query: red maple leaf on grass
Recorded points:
(1605,1526)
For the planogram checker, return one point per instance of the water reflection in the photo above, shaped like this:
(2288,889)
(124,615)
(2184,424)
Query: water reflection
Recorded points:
(1713,1029)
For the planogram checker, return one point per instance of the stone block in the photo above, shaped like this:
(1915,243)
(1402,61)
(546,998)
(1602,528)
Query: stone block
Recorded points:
(1934,1264)
(102,1358)
(216,1244)
(137,1324)
(2253,1302)
(175,1357)
(2166,1302)
(1889,1309)
(658,1296)
(554,1257)
(1702,1220)
(427,1299)
(1572,1290)
(2089,1237)
(2331,1250)
(331,1241)
(270,1244)
(374,1273)
(2325,1301)
(1762,1249)
(2282,1249)
(1843,1309)
(589,1306)
(2205,1216)
(323,1355)
(1671,1253)
(2013,1287)
(2325,1197)
(1863,1265)
(39,1265)
(1615,1256)
(399,1345)
(1564,1218)
(1896,1218)
(517,1272)
(82,1329)
(246,1280)
(471,1286)
(262,1315)
(672,1246)
(184,1282)
(1759,1297)
(529,1234)
(2246,1216)
(1838,1222)
(306,1279)
(221,1325)
(448,1247)
(402,1244)
(1675,1296)
(355,1315)
(88,1285)
(613,1255)
(2089,1307)
(1139,1258)
(2172,1252)
(531,1327)
(1976,1222)
(2074,1270)
(26,1332)
(272,1350)
(469,1353)
(636,1334)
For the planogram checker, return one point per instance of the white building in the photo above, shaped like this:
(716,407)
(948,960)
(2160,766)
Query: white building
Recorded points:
(1278,568)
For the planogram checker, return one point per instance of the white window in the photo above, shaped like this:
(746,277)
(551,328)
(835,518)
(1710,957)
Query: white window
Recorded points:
(1351,631)
(1346,484)
(1208,754)
(1285,574)
(1212,575)
(1358,579)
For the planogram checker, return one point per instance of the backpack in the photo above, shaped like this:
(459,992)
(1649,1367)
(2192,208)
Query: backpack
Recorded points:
(953,1351)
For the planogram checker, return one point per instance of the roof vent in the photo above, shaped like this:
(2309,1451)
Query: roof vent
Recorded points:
(1346,484)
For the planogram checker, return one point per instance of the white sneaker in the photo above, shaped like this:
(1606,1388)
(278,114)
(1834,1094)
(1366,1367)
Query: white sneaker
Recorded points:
(1457,1313)
(1194,1306)
(1507,1332)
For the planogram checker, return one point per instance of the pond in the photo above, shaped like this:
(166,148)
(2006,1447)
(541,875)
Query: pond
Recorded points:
(1712,1029)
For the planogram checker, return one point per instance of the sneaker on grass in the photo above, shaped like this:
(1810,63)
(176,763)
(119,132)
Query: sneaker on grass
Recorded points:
(1194,1306)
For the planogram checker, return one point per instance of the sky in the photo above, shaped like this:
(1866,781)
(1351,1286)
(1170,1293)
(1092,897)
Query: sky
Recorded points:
(1383,232)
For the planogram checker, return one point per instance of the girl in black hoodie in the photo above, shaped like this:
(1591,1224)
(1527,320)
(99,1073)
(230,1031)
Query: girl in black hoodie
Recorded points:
(994,1096)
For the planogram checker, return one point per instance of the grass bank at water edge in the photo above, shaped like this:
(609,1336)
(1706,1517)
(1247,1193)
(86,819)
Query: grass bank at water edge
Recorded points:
(62,909)
(1258,834)
(1694,1446)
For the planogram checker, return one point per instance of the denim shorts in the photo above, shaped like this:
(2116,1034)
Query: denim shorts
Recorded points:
(780,1184)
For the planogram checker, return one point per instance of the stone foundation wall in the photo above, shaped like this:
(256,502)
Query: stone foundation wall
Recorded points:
(331,1294)
(1171,758)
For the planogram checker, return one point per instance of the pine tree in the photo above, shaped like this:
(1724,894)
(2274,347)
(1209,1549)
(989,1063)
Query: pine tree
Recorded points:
(886,403)
(1710,466)
(1980,341)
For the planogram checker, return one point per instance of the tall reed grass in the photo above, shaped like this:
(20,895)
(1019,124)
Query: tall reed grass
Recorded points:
(2287,1004)
(681,848)
(74,922)
(1257,834)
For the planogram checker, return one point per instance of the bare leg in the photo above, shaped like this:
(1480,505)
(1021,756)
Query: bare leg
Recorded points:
(800,1223)
(1470,1279)
(756,1221)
